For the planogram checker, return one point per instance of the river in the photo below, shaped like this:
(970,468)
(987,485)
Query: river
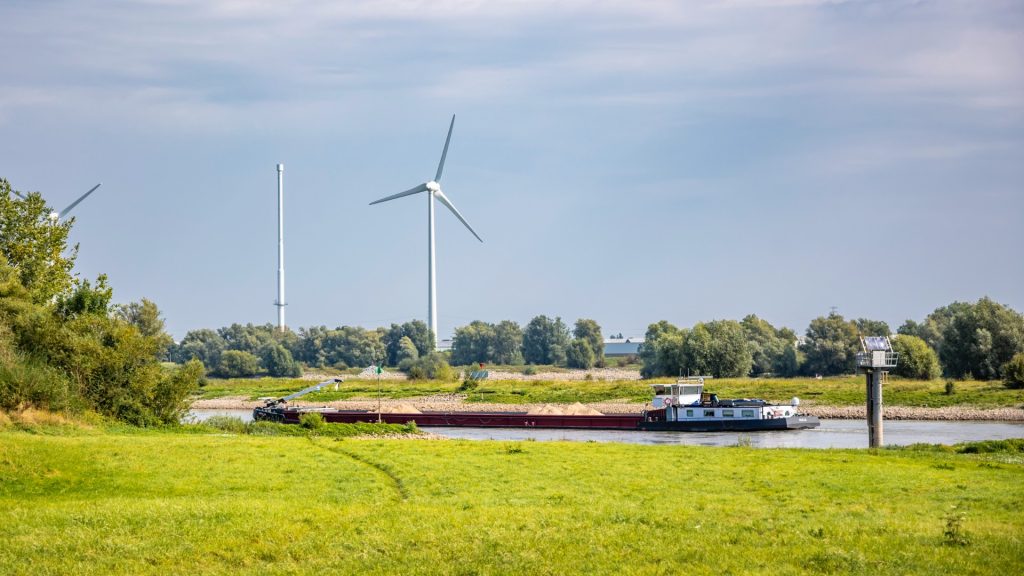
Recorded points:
(831,433)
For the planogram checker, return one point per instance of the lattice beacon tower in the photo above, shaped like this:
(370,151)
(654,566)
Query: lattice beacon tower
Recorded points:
(875,359)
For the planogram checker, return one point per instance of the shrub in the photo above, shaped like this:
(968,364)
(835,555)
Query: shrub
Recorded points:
(238,364)
(916,359)
(580,354)
(278,361)
(29,384)
(430,366)
(312,420)
(1013,372)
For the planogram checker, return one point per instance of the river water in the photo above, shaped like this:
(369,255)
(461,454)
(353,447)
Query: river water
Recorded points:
(831,433)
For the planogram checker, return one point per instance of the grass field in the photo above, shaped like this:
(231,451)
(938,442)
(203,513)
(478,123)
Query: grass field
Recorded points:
(94,501)
(847,391)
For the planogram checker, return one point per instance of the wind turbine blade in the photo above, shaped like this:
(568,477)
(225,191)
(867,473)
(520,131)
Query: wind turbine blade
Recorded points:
(440,167)
(65,211)
(409,192)
(444,200)
(18,194)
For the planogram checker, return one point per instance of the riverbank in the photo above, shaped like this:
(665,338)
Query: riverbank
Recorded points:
(459,403)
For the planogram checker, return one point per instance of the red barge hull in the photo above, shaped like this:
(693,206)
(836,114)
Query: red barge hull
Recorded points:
(473,419)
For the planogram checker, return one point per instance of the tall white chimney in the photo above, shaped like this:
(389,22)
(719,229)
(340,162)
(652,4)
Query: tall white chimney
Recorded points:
(280,248)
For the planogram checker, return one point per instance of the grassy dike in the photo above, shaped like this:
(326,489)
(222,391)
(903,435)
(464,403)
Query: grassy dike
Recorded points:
(102,501)
(840,391)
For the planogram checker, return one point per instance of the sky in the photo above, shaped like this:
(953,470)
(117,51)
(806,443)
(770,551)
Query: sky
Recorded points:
(628,162)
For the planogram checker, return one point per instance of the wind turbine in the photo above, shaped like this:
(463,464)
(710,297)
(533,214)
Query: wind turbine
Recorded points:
(55,216)
(433,189)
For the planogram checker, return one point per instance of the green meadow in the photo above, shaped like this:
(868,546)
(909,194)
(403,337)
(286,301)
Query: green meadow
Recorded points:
(101,500)
(840,391)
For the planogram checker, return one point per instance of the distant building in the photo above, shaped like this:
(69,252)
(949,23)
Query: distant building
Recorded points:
(622,346)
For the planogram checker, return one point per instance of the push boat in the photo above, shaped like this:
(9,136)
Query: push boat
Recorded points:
(680,407)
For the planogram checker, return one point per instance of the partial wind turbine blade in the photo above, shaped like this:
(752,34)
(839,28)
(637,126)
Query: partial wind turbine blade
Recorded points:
(19,195)
(65,211)
(444,200)
(440,167)
(410,192)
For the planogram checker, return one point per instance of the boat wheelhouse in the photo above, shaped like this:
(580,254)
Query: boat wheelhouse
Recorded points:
(684,405)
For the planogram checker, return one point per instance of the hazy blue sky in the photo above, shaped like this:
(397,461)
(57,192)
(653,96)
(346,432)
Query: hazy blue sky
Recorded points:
(624,161)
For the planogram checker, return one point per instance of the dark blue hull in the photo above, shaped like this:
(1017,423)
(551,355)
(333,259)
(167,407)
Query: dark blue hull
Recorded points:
(791,423)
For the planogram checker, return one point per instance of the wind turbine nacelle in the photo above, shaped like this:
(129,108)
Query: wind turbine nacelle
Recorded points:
(433,186)
(54,216)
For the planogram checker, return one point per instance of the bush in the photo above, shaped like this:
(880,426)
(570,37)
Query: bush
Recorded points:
(916,359)
(238,364)
(32,385)
(312,421)
(1013,372)
(580,355)
(431,366)
(278,361)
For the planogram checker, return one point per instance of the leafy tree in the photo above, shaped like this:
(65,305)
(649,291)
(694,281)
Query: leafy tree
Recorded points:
(417,331)
(238,364)
(545,341)
(407,350)
(767,345)
(916,359)
(649,351)
(981,338)
(311,346)
(354,346)
(145,316)
(831,346)
(35,246)
(1013,371)
(507,347)
(204,345)
(790,363)
(590,331)
(866,327)
(579,354)
(729,354)
(473,343)
(934,325)
(248,338)
(278,361)
(697,350)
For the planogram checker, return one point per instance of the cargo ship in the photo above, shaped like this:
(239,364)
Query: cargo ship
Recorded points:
(681,407)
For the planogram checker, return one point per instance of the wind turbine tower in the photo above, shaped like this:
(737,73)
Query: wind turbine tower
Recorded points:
(280,303)
(433,189)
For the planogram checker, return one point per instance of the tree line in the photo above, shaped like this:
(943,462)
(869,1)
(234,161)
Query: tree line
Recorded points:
(982,340)
(249,350)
